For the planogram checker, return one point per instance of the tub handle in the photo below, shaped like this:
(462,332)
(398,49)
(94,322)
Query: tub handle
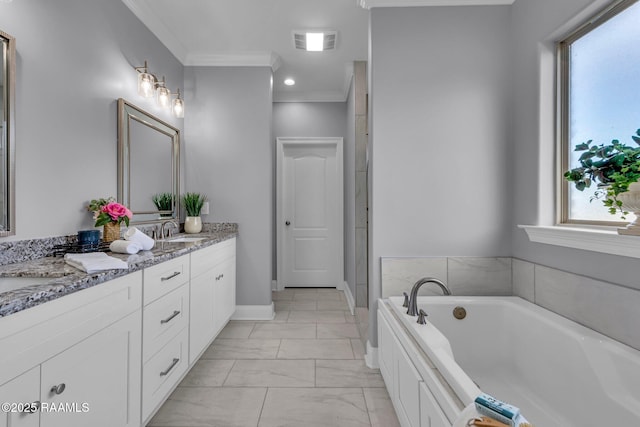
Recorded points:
(405,304)
(422,317)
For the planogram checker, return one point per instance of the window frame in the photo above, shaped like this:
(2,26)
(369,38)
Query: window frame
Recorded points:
(563,51)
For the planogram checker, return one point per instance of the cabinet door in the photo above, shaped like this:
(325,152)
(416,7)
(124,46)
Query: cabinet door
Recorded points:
(430,413)
(97,381)
(225,294)
(22,390)
(385,354)
(201,316)
(408,380)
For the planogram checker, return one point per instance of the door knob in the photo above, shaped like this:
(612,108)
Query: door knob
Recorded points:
(287,223)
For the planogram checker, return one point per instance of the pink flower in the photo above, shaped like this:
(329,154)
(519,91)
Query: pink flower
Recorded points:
(116,211)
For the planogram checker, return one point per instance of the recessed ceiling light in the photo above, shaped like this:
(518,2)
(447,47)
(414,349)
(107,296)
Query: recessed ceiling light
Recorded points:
(315,42)
(289,81)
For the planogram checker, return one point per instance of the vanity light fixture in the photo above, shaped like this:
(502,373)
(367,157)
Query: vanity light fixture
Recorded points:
(149,85)
(178,106)
(163,94)
(146,81)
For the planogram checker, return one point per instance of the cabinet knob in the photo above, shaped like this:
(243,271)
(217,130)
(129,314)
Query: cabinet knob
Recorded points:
(35,407)
(58,389)
(287,223)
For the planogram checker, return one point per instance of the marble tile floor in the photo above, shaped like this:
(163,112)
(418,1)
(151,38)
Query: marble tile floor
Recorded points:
(304,368)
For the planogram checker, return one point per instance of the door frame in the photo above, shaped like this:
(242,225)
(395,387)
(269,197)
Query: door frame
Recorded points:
(281,142)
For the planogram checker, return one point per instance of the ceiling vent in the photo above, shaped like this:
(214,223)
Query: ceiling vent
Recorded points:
(328,40)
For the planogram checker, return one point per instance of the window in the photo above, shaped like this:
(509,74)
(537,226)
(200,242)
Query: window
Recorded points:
(599,87)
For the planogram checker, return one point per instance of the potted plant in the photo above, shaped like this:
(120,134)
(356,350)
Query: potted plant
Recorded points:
(193,203)
(615,168)
(164,203)
(109,214)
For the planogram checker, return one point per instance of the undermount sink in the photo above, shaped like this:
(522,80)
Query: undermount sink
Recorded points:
(12,283)
(185,239)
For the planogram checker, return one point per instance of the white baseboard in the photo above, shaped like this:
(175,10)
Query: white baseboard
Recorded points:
(254,312)
(371,356)
(350,300)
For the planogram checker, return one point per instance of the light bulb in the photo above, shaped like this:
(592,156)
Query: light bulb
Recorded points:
(178,108)
(163,97)
(146,84)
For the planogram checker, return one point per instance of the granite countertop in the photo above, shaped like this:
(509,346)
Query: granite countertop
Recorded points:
(66,279)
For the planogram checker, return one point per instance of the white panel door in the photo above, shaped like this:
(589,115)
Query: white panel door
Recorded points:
(310,214)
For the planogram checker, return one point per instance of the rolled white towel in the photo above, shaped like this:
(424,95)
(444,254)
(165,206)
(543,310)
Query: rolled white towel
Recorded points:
(125,247)
(134,235)
(94,262)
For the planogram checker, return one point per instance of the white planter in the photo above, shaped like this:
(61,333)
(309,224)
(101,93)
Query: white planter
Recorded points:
(192,224)
(631,202)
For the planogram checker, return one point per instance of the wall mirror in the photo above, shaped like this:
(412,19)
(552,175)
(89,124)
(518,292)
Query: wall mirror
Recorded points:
(7,134)
(148,165)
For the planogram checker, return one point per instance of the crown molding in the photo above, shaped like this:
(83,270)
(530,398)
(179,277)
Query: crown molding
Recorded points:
(234,59)
(309,97)
(348,78)
(368,4)
(146,14)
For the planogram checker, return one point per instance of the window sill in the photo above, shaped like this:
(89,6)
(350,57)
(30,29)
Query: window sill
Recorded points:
(604,241)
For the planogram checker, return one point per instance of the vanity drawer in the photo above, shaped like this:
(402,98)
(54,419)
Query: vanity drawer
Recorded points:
(165,277)
(163,318)
(163,371)
(207,258)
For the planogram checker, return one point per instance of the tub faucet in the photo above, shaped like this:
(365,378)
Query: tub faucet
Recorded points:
(413,298)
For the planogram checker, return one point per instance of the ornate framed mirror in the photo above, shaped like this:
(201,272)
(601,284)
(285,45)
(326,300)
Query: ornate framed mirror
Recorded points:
(148,165)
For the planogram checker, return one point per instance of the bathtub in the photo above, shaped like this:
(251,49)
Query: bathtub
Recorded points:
(559,373)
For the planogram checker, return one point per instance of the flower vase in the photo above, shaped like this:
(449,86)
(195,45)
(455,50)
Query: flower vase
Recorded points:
(631,202)
(192,224)
(111,232)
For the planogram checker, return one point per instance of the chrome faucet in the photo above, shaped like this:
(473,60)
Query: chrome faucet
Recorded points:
(162,228)
(413,298)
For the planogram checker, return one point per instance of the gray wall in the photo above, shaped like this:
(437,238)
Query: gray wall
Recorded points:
(535,26)
(229,157)
(75,58)
(439,142)
(309,119)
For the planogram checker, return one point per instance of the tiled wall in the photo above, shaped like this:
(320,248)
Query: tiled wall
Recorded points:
(608,308)
(605,307)
(464,275)
(360,79)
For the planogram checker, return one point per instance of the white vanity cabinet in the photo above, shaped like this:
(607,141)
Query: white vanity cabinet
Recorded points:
(212,294)
(408,381)
(110,355)
(82,351)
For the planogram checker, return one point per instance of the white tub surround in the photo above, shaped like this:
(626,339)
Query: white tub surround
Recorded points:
(559,373)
